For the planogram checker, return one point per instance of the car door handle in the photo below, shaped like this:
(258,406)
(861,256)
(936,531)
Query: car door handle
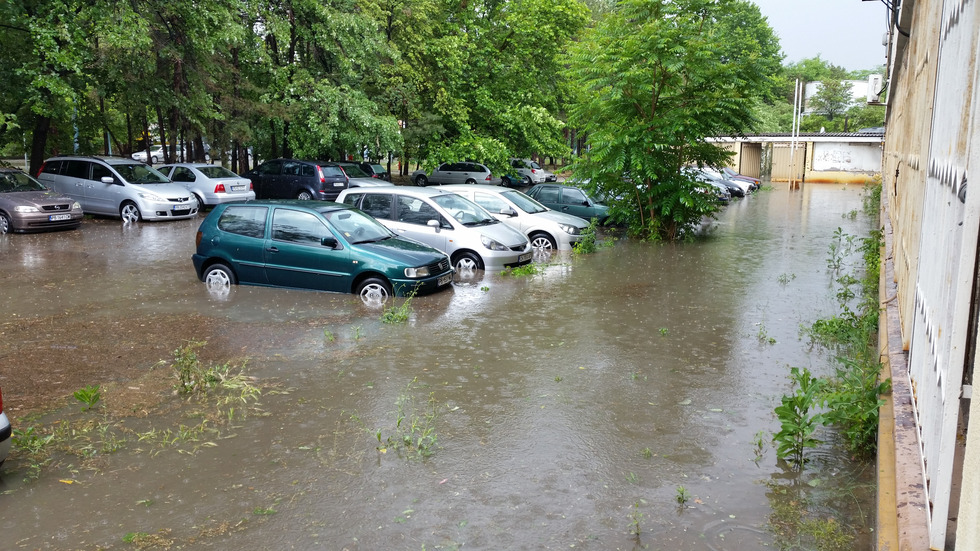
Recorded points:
(273,249)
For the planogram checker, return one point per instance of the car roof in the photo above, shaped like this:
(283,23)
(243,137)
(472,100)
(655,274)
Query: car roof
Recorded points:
(104,158)
(478,187)
(403,190)
(319,206)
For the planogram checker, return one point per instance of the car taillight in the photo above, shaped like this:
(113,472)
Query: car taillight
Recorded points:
(534,171)
(489,177)
(220,188)
(197,239)
(39,171)
(319,172)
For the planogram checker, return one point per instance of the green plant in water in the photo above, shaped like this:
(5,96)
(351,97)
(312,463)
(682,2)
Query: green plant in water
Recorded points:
(328,335)
(636,517)
(589,241)
(783,279)
(682,496)
(797,424)
(525,270)
(400,313)
(663,331)
(414,424)
(840,247)
(357,333)
(484,288)
(763,336)
(646,453)
(632,478)
(88,396)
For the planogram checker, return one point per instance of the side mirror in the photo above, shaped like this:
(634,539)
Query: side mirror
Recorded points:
(108,180)
(433,223)
(330,241)
(507,211)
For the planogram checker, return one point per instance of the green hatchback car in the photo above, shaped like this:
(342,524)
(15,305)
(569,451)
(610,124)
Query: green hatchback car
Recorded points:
(313,245)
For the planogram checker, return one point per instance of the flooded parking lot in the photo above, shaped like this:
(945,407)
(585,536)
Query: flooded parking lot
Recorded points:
(565,410)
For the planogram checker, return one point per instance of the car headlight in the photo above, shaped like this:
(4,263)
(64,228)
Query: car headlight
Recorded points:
(492,245)
(24,208)
(76,206)
(151,196)
(569,229)
(417,272)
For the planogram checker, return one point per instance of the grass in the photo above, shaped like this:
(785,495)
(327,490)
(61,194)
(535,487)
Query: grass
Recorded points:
(414,427)
(400,313)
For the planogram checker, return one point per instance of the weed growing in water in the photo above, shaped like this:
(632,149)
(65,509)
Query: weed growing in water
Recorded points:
(682,496)
(763,336)
(796,526)
(88,396)
(646,453)
(357,333)
(783,279)
(840,247)
(663,331)
(484,288)
(400,313)
(796,422)
(636,517)
(328,335)
(632,478)
(525,270)
(414,428)
(589,242)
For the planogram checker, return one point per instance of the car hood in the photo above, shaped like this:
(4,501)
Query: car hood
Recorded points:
(405,251)
(563,218)
(502,233)
(34,198)
(166,190)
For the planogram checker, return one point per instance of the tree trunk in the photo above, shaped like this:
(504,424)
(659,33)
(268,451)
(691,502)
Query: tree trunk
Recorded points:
(39,142)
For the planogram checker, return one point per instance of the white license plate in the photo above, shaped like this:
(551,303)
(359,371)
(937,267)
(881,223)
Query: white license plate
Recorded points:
(183,206)
(56,217)
(238,188)
(338,184)
(444,280)
(524,257)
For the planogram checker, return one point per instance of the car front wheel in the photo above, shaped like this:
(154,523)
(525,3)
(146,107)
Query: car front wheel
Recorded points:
(467,262)
(470,182)
(543,242)
(4,223)
(421,180)
(130,213)
(374,291)
(304,196)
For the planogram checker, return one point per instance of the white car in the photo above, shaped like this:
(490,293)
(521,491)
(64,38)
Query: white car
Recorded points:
(212,185)
(5,432)
(156,155)
(545,228)
(471,236)
(456,173)
(532,172)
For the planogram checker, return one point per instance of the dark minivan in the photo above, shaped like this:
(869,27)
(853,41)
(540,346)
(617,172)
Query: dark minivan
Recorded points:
(321,246)
(296,179)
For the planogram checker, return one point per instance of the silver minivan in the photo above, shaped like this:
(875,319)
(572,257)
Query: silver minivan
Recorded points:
(471,236)
(119,187)
(547,229)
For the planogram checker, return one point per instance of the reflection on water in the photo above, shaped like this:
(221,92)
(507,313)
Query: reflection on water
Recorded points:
(567,407)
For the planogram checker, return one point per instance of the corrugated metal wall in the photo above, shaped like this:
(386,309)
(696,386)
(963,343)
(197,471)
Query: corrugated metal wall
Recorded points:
(782,159)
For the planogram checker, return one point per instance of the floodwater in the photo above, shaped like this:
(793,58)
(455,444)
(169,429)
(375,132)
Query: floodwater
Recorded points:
(564,410)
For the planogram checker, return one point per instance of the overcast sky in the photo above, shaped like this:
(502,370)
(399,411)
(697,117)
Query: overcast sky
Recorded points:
(847,33)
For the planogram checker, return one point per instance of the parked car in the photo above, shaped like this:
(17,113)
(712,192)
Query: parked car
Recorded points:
(455,173)
(732,175)
(531,172)
(27,206)
(746,187)
(322,246)
(358,178)
(117,186)
(156,155)
(733,188)
(5,432)
(376,170)
(296,179)
(472,238)
(545,228)
(570,200)
(210,184)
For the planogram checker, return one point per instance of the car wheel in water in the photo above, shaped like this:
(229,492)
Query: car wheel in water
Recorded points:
(304,196)
(421,180)
(219,278)
(4,223)
(467,262)
(543,242)
(374,291)
(130,213)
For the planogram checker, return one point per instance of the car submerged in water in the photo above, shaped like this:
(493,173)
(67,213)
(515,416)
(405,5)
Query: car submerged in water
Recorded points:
(323,246)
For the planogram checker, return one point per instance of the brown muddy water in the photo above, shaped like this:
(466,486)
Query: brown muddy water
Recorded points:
(566,410)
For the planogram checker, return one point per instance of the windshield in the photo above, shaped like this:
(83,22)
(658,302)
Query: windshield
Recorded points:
(357,227)
(463,210)
(18,181)
(216,172)
(140,174)
(524,202)
(354,171)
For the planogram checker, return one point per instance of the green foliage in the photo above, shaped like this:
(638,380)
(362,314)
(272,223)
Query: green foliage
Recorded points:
(797,423)
(400,313)
(88,396)
(682,496)
(530,269)
(636,517)
(589,241)
(652,80)
(414,426)
(195,377)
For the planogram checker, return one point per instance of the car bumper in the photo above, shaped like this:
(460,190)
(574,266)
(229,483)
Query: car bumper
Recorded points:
(5,437)
(498,260)
(167,210)
(221,198)
(45,221)
(404,287)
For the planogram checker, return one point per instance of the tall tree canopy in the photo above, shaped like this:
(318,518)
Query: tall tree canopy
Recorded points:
(654,79)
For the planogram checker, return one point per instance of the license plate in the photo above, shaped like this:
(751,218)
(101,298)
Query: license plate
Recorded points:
(238,188)
(181,207)
(524,257)
(56,217)
(338,184)
(444,280)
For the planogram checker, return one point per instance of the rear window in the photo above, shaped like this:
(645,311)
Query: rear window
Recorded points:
(51,167)
(217,172)
(332,171)
(244,220)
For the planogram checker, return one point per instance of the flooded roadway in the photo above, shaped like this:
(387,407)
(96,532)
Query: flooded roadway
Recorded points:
(569,409)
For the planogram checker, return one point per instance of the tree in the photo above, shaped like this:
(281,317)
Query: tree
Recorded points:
(833,96)
(653,80)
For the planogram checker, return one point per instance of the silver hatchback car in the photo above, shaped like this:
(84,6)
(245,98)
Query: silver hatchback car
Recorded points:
(547,229)
(211,184)
(472,237)
(119,187)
